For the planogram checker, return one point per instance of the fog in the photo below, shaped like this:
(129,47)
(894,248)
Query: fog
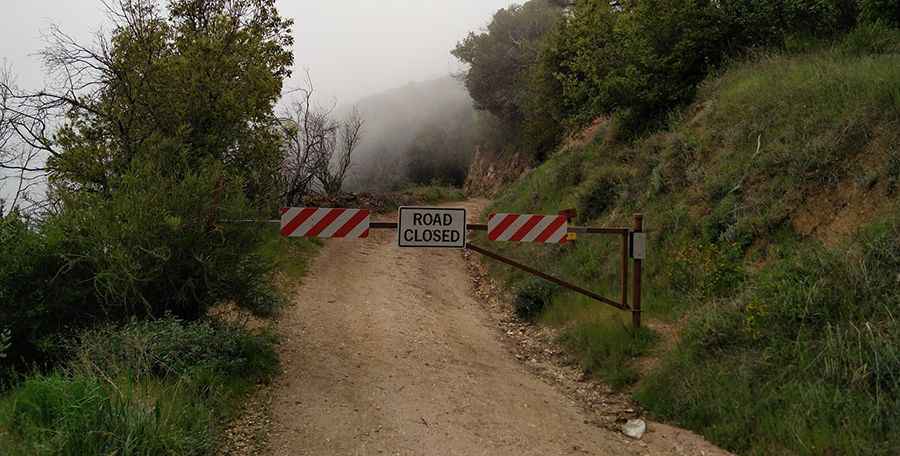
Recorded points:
(432,122)
(351,48)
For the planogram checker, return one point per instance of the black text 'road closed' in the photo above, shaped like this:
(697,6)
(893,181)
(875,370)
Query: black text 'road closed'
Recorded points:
(432,227)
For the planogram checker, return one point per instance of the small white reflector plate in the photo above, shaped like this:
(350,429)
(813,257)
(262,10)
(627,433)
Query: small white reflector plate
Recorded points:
(638,246)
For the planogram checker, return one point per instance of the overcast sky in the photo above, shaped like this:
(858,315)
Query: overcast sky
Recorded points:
(352,48)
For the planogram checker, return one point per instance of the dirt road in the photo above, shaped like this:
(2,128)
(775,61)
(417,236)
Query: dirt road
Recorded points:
(386,352)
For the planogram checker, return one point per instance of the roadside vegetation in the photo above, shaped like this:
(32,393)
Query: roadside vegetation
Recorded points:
(766,171)
(154,141)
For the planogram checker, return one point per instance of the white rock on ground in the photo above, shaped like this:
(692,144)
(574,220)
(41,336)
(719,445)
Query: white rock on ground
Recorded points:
(634,428)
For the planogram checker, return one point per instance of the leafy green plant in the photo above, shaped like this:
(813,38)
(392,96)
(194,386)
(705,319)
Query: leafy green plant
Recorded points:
(144,388)
(571,170)
(880,11)
(533,296)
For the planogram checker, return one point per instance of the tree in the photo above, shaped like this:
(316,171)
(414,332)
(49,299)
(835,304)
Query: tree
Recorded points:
(152,137)
(17,160)
(500,59)
(318,150)
(337,159)
(201,82)
(641,59)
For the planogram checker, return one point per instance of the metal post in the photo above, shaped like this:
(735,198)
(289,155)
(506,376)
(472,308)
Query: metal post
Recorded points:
(626,237)
(636,291)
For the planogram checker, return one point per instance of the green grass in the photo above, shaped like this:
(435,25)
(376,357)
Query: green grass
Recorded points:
(435,194)
(608,349)
(62,414)
(806,360)
(291,256)
(787,346)
(145,388)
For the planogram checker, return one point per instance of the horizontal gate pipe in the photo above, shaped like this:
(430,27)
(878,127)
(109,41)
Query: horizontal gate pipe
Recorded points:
(393,226)
(484,227)
(544,276)
(471,226)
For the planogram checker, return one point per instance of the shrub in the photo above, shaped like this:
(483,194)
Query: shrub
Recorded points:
(883,11)
(871,38)
(171,348)
(136,254)
(642,60)
(705,270)
(29,304)
(571,170)
(145,388)
(806,357)
(597,196)
(533,296)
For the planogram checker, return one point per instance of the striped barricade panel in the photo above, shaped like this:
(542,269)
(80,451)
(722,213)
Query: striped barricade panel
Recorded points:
(546,229)
(325,222)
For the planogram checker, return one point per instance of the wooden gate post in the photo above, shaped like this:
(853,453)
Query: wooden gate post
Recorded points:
(626,259)
(636,290)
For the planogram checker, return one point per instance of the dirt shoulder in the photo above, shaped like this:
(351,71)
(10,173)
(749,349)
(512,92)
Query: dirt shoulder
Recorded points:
(535,347)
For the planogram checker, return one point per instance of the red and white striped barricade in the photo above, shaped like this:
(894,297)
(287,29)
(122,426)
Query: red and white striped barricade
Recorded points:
(325,222)
(545,229)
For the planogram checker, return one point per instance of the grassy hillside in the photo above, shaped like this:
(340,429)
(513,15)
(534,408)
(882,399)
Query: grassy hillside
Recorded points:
(774,254)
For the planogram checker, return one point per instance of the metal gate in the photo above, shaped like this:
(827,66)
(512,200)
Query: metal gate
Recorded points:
(356,223)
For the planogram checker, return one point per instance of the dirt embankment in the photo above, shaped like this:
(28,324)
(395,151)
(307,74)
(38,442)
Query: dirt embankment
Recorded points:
(489,174)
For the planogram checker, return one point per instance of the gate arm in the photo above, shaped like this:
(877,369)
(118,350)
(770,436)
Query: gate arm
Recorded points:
(544,276)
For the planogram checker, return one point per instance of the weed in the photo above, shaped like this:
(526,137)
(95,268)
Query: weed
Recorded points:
(596,197)
(570,172)
(83,414)
(608,348)
(146,388)
(533,296)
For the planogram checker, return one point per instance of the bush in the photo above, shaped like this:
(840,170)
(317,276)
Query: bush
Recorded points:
(597,196)
(571,170)
(533,296)
(871,38)
(172,348)
(136,254)
(644,60)
(29,304)
(145,388)
(881,11)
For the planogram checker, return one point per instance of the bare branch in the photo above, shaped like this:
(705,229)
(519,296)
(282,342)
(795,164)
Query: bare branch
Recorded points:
(317,149)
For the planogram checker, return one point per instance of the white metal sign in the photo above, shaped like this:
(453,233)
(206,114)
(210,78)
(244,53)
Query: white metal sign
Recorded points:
(432,227)
(639,246)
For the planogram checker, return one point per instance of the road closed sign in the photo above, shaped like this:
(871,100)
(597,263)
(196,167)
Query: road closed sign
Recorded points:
(432,227)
